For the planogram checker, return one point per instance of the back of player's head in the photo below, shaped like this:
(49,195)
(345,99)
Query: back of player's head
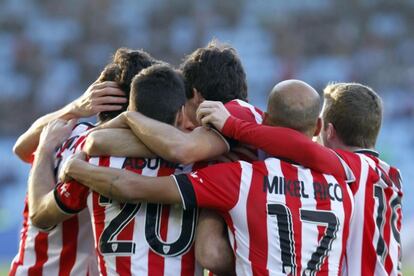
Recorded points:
(158,92)
(294,104)
(111,72)
(216,72)
(355,110)
(130,63)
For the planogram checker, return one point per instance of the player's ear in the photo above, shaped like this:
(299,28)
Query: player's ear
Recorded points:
(181,120)
(178,118)
(198,98)
(267,119)
(318,127)
(330,132)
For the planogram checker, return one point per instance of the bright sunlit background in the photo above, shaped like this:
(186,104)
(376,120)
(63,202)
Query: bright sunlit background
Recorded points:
(50,51)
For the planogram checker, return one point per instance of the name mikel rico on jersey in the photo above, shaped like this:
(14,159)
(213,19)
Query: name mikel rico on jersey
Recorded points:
(296,188)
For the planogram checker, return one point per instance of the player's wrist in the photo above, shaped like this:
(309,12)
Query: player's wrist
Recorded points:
(229,126)
(46,148)
(70,111)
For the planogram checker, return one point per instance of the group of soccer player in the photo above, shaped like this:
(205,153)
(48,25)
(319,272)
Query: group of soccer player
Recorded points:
(181,174)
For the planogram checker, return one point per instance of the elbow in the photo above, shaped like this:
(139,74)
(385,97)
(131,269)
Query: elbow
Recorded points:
(20,152)
(91,146)
(39,221)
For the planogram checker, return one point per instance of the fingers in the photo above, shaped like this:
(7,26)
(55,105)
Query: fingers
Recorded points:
(80,155)
(101,85)
(206,121)
(72,123)
(203,112)
(107,107)
(107,91)
(210,104)
(109,100)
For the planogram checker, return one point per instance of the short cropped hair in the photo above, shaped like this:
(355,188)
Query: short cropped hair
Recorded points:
(216,72)
(111,72)
(130,62)
(355,110)
(158,92)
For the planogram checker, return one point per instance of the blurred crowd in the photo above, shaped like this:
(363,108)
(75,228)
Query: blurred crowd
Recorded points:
(51,50)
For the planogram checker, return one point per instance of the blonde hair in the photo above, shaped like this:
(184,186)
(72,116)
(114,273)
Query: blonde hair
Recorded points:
(355,110)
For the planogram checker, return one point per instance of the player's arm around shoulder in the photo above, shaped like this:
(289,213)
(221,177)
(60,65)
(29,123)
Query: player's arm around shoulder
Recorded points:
(175,145)
(49,214)
(115,142)
(42,178)
(200,144)
(120,185)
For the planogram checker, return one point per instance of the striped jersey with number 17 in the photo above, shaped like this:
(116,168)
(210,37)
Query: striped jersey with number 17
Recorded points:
(66,249)
(284,219)
(136,239)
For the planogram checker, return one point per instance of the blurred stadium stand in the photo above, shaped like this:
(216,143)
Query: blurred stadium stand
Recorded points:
(50,51)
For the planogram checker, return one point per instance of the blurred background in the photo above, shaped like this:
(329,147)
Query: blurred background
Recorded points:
(50,51)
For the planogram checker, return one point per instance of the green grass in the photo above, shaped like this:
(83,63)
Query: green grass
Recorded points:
(4,269)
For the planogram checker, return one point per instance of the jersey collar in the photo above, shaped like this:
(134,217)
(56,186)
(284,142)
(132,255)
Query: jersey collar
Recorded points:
(368,151)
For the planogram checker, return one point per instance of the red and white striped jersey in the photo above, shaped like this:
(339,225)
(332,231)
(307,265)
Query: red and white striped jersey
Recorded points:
(137,239)
(374,246)
(247,112)
(66,249)
(244,111)
(284,219)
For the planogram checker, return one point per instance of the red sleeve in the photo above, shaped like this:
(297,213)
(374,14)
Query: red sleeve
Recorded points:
(71,196)
(285,143)
(246,113)
(215,187)
(242,112)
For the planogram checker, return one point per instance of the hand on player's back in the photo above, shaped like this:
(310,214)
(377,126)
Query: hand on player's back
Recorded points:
(65,169)
(55,133)
(212,113)
(99,97)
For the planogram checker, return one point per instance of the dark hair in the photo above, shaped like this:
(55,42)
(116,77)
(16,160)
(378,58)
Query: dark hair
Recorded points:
(130,62)
(355,111)
(111,72)
(216,72)
(158,92)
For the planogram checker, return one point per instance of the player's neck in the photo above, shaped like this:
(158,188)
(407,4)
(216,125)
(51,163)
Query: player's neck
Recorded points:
(345,147)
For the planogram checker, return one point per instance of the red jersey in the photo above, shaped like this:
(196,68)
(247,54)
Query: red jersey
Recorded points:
(67,248)
(374,246)
(284,218)
(137,239)
(247,112)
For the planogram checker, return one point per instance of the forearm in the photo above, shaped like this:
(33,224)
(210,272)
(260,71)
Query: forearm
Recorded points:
(115,142)
(284,143)
(99,179)
(123,185)
(27,143)
(164,140)
(41,182)
(173,144)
